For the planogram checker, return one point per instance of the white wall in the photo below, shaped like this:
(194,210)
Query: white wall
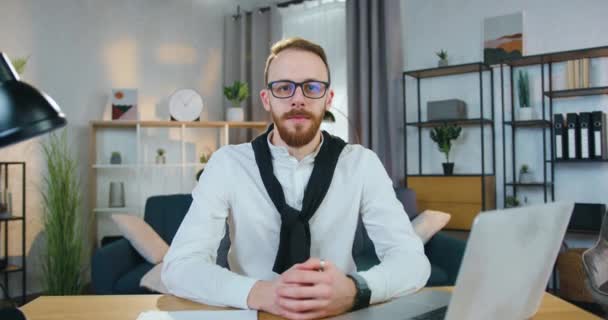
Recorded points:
(549,26)
(81,49)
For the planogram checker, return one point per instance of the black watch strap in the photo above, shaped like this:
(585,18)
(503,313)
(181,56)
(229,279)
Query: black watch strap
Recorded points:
(363,294)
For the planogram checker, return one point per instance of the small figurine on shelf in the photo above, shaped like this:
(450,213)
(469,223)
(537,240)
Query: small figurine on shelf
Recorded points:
(160,156)
(443,58)
(116,158)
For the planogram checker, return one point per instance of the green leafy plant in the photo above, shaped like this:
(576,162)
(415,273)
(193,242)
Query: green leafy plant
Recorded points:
(237,93)
(524,169)
(442,54)
(443,136)
(115,154)
(64,258)
(523,84)
(204,158)
(19,64)
(511,202)
(160,152)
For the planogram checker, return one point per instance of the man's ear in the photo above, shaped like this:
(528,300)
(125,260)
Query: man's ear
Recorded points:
(265,97)
(329,100)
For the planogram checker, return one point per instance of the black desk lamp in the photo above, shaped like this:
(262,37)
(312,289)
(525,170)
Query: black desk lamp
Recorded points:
(25,112)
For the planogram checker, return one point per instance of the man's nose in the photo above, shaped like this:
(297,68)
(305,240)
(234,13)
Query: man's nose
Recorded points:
(297,100)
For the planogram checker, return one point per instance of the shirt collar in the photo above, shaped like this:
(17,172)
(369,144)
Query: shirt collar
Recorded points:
(280,152)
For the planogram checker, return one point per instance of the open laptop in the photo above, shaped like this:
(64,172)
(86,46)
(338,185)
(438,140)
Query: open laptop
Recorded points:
(506,266)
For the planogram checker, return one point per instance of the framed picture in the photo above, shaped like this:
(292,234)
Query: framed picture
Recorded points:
(124,104)
(503,38)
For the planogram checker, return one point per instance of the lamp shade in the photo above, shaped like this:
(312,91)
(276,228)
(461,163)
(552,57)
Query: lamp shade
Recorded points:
(25,112)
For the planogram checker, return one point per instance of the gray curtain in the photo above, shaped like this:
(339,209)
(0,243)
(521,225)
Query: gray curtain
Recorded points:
(247,41)
(375,64)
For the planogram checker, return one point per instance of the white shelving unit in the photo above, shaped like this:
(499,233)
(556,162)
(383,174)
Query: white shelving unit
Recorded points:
(137,141)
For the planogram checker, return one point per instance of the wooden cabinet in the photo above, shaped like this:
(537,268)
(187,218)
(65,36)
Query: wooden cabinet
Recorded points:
(460,196)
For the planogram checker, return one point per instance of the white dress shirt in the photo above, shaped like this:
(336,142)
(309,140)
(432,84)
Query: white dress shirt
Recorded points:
(231,188)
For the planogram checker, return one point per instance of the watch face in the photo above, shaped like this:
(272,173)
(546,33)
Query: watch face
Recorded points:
(185,105)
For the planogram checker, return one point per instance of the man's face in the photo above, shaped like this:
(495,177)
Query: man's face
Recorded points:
(297,118)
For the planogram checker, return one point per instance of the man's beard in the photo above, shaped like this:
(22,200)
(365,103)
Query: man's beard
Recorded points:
(298,136)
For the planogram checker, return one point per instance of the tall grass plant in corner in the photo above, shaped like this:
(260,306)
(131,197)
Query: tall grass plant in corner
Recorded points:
(63,220)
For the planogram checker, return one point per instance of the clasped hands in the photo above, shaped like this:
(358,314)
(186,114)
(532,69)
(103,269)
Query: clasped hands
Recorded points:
(305,292)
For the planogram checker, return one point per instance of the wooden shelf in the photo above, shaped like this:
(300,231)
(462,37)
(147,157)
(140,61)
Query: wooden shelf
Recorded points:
(448,70)
(530,124)
(177,124)
(560,56)
(462,122)
(11,268)
(453,175)
(577,92)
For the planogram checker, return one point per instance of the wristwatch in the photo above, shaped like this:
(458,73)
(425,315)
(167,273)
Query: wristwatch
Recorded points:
(363,294)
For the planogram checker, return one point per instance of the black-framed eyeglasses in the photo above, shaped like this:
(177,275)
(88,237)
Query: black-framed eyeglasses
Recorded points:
(283,89)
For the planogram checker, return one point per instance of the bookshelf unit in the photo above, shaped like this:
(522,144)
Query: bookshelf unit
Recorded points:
(140,175)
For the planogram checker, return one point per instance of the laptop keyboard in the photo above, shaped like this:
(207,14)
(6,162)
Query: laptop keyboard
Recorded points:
(437,314)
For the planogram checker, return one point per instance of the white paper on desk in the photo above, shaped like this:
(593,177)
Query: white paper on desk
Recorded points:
(199,315)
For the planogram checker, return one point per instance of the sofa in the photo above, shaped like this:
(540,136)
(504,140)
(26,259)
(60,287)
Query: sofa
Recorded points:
(117,268)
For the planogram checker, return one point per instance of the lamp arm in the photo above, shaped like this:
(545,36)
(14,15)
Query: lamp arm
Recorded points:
(7,71)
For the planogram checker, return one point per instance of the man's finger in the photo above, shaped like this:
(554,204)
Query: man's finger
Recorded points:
(304,292)
(305,277)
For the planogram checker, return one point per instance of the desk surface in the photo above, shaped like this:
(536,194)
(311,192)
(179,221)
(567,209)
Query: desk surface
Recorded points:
(128,307)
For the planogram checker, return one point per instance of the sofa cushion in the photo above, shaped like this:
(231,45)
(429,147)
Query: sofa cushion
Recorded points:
(439,277)
(129,282)
(429,222)
(165,213)
(142,237)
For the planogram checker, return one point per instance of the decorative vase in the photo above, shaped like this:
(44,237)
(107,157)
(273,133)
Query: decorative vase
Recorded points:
(116,158)
(442,63)
(235,114)
(117,195)
(526,113)
(448,168)
(160,159)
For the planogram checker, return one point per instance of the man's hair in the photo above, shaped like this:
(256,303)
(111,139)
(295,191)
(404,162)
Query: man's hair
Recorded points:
(298,44)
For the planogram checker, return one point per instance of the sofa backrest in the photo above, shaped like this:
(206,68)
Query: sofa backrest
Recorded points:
(165,213)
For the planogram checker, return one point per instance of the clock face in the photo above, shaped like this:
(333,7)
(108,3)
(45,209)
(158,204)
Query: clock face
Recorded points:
(185,105)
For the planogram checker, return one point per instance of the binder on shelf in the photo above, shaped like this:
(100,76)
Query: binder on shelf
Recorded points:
(574,146)
(561,145)
(598,147)
(584,120)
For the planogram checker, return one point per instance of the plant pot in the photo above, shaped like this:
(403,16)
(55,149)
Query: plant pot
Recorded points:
(525,177)
(442,63)
(526,113)
(448,168)
(235,114)
(116,159)
(160,159)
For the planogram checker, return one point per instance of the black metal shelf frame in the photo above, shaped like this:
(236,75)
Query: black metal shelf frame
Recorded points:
(5,220)
(481,122)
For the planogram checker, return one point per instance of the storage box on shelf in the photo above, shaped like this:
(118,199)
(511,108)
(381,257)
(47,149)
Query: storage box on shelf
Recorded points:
(142,172)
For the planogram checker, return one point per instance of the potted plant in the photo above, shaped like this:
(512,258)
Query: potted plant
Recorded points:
(204,158)
(523,90)
(115,158)
(64,220)
(443,58)
(236,93)
(160,156)
(525,176)
(511,202)
(443,136)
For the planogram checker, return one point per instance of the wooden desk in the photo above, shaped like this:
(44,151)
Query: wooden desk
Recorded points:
(128,307)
